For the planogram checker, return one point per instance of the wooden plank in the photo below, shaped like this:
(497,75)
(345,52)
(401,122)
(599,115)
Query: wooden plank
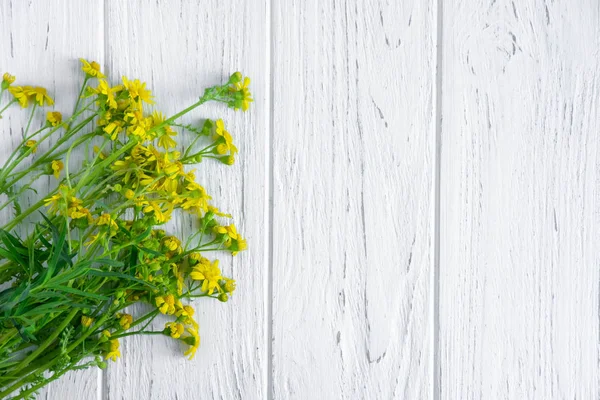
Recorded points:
(41,43)
(520,200)
(352,151)
(180,48)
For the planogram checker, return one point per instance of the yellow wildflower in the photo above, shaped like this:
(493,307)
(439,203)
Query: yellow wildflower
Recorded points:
(242,94)
(105,89)
(227,160)
(137,90)
(166,304)
(114,351)
(232,231)
(53,202)
(7,80)
(104,336)
(176,329)
(86,321)
(193,341)
(101,155)
(171,243)
(161,214)
(165,140)
(91,69)
(106,219)
(113,129)
(187,311)
(165,133)
(78,211)
(216,211)
(129,194)
(20,94)
(32,144)
(54,118)
(125,320)
(92,239)
(229,285)
(241,245)
(210,274)
(193,258)
(224,138)
(40,96)
(57,166)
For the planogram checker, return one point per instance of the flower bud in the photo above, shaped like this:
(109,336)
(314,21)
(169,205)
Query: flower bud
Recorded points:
(7,80)
(128,193)
(227,160)
(235,77)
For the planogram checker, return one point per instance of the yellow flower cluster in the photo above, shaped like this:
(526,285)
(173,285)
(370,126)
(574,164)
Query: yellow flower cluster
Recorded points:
(66,204)
(209,275)
(141,180)
(241,92)
(37,94)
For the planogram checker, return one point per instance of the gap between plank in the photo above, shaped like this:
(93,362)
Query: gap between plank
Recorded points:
(102,376)
(268,300)
(435,270)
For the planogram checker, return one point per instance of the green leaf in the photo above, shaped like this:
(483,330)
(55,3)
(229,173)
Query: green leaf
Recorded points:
(78,292)
(109,274)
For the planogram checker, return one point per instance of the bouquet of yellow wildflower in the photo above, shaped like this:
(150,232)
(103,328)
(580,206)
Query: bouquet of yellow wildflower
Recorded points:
(97,247)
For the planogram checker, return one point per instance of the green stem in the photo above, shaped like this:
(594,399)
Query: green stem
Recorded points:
(4,175)
(24,215)
(8,105)
(23,189)
(138,333)
(30,119)
(79,97)
(47,342)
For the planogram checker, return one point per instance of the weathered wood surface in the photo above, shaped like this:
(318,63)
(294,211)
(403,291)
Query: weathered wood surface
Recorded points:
(336,184)
(520,200)
(353,136)
(40,43)
(180,48)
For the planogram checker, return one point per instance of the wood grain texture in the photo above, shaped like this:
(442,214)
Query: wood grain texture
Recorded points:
(352,152)
(40,44)
(520,197)
(180,48)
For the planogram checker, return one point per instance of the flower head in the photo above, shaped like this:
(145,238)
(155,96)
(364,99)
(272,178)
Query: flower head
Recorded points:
(174,329)
(209,274)
(7,80)
(224,140)
(137,90)
(31,144)
(54,118)
(193,341)
(166,304)
(57,166)
(241,96)
(40,96)
(125,320)
(86,321)
(229,285)
(91,69)
(20,94)
(113,350)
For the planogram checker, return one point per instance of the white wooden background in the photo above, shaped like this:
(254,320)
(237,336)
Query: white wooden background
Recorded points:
(419,182)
